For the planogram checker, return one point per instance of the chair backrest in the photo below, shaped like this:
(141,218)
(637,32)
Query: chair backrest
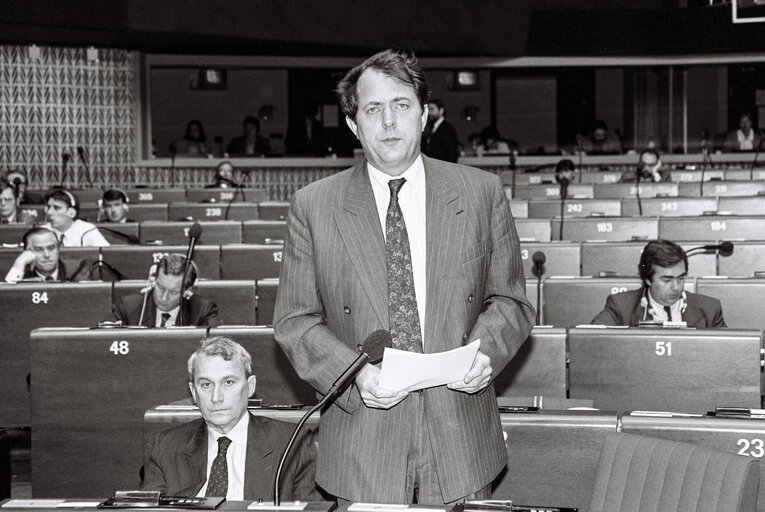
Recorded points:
(651,474)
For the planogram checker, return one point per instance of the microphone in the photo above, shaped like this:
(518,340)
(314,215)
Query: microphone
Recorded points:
(539,258)
(84,159)
(638,175)
(65,157)
(757,153)
(371,352)
(195,231)
(705,161)
(101,263)
(724,249)
(563,181)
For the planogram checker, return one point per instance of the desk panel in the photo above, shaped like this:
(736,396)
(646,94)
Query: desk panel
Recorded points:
(134,261)
(12,234)
(266,300)
(224,195)
(607,228)
(26,306)
(622,258)
(552,191)
(538,230)
(531,178)
(519,208)
(273,210)
(120,234)
(539,367)
(575,301)
(250,261)
(155,195)
(742,205)
(744,436)
(137,213)
(743,300)
(628,190)
(264,232)
(548,209)
(694,176)
(747,258)
(722,188)
(88,400)
(35,212)
(212,212)
(235,298)
(712,227)
(601,177)
(8,256)
(213,233)
(553,456)
(562,258)
(670,206)
(665,369)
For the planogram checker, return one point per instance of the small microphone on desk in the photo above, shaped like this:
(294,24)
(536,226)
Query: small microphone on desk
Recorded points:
(195,231)
(371,352)
(539,259)
(724,249)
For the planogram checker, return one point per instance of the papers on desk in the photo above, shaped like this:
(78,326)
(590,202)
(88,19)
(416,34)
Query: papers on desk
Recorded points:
(285,505)
(410,371)
(51,504)
(390,507)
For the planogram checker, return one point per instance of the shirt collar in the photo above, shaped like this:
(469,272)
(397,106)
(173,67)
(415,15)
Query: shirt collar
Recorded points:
(658,307)
(238,434)
(413,174)
(54,275)
(173,313)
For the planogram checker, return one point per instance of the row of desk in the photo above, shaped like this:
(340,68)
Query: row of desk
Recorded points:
(645,190)
(593,176)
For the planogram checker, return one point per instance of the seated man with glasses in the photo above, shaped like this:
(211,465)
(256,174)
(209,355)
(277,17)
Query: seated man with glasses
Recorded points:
(40,260)
(663,268)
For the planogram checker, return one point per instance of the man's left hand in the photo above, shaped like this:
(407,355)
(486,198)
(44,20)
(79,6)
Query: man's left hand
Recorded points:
(477,378)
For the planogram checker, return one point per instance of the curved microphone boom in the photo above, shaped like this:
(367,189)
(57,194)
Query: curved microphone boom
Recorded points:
(539,259)
(638,176)
(371,352)
(564,182)
(724,249)
(195,231)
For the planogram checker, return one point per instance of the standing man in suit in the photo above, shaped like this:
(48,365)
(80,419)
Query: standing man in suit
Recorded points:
(159,304)
(422,248)
(41,259)
(228,452)
(440,138)
(663,268)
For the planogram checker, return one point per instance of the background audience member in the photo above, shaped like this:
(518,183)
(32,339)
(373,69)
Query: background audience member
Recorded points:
(650,168)
(492,143)
(229,452)
(19,180)
(114,205)
(599,141)
(41,259)
(305,133)
(61,211)
(663,268)
(224,176)
(194,142)
(10,213)
(439,140)
(251,143)
(158,304)
(746,138)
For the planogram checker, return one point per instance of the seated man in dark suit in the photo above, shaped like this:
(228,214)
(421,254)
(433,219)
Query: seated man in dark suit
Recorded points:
(229,452)
(165,299)
(649,169)
(40,260)
(663,268)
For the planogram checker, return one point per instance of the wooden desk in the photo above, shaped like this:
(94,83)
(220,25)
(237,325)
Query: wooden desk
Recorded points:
(213,212)
(550,208)
(213,233)
(622,258)
(539,367)
(224,195)
(562,258)
(250,261)
(712,227)
(742,299)
(669,206)
(264,231)
(134,261)
(617,229)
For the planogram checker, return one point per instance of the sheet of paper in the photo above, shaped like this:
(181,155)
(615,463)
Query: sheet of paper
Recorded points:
(402,370)
(32,503)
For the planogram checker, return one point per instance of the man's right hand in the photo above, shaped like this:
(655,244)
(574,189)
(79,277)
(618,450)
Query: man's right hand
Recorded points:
(23,260)
(368,382)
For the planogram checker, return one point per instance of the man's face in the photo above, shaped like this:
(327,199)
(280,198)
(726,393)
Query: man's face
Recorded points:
(45,247)
(7,203)
(59,214)
(745,124)
(649,161)
(599,134)
(388,123)
(221,389)
(667,283)
(116,210)
(167,291)
(250,130)
(434,113)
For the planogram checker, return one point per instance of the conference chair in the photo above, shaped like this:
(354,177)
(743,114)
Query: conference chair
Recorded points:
(646,474)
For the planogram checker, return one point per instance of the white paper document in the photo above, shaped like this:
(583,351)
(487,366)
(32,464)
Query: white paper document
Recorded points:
(410,371)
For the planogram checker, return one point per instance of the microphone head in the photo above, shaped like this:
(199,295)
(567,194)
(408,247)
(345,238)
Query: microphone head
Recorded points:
(539,258)
(195,231)
(726,249)
(375,345)
(80,151)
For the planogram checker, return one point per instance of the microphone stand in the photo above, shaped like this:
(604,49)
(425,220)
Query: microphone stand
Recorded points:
(754,161)
(704,163)
(637,191)
(101,263)
(579,151)
(238,189)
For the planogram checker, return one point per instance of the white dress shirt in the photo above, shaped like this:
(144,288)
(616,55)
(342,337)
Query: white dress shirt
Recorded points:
(80,234)
(170,321)
(14,276)
(236,456)
(659,315)
(411,199)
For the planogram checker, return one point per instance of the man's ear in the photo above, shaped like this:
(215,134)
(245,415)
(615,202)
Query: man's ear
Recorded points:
(352,125)
(251,384)
(424,117)
(193,392)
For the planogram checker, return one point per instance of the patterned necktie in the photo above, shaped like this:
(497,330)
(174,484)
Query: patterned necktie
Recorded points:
(403,316)
(217,484)
(668,311)
(165,318)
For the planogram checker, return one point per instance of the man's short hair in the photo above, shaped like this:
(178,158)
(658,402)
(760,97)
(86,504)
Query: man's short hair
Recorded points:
(114,194)
(174,264)
(62,194)
(437,102)
(4,185)
(400,65)
(251,120)
(224,347)
(662,253)
(37,231)
(599,124)
(565,165)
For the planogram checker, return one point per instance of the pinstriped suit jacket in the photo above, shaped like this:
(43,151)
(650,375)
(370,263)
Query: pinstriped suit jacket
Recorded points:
(333,293)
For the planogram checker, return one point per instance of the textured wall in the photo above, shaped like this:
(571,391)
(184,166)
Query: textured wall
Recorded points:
(57,101)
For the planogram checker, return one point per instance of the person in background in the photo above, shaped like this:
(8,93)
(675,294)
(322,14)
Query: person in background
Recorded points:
(599,141)
(305,133)
(746,138)
(439,140)
(663,269)
(41,259)
(19,180)
(61,211)
(492,143)
(224,176)
(251,143)
(229,452)
(114,205)
(650,169)
(194,142)
(10,213)
(159,304)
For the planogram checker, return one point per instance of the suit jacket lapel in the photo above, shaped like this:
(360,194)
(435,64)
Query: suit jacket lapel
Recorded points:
(192,463)
(445,229)
(258,462)
(359,226)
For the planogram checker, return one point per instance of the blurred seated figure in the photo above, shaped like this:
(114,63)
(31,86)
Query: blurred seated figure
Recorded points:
(159,304)
(251,143)
(40,259)
(114,206)
(61,211)
(194,142)
(492,143)
(19,180)
(224,176)
(10,213)
(305,133)
(599,141)
(663,268)
(649,169)
(229,452)
(746,138)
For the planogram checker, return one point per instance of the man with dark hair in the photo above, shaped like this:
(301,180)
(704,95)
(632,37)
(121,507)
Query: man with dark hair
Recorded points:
(228,452)
(41,260)
(114,204)
(663,268)
(745,138)
(439,140)
(251,143)
(9,206)
(159,304)
(426,250)
(650,169)
(61,211)
(599,142)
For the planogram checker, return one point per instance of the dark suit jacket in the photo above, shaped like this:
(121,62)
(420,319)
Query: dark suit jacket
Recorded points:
(177,464)
(68,271)
(442,144)
(624,309)
(238,147)
(333,293)
(196,311)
